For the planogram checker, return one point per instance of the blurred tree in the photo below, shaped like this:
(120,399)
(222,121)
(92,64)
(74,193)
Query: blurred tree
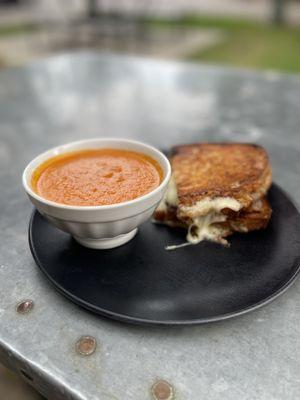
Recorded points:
(9,2)
(278,11)
(92,10)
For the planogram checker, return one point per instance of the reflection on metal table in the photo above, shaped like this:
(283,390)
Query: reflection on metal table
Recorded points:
(70,97)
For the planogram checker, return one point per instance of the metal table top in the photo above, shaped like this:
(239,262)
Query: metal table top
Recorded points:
(84,95)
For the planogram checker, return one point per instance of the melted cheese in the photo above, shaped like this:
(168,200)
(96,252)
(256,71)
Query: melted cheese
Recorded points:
(203,228)
(170,198)
(171,194)
(204,215)
(208,205)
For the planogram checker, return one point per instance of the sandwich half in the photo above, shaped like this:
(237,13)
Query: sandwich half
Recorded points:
(217,189)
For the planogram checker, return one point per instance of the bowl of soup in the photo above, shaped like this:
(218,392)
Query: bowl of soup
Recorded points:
(98,190)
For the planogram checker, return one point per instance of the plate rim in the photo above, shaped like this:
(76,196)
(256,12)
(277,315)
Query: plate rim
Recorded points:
(153,322)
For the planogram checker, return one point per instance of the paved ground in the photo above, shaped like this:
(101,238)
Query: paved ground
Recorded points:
(257,9)
(127,37)
(13,388)
(56,9)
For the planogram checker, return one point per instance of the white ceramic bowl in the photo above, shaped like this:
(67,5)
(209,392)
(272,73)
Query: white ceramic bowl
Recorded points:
(100,227)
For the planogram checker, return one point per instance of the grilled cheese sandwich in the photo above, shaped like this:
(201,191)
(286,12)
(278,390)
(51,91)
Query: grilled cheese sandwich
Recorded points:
(217,189)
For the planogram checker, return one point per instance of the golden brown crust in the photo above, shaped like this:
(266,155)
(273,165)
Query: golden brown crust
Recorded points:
(210,170)
(168,216)
(255,217)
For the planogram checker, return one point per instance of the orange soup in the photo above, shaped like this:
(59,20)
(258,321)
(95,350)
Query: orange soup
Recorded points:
(96,177)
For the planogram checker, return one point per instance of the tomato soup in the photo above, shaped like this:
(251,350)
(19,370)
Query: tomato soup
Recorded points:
(96,177)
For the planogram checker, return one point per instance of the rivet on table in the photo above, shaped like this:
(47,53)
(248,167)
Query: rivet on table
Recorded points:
(86,345)
(24,306)
(162,390)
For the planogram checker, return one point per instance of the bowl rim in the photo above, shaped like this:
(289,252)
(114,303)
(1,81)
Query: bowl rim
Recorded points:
(51,203)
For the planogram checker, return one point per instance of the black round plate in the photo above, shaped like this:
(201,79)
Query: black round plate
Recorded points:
(140,282)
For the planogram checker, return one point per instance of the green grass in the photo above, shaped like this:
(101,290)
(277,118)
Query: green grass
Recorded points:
(17,29)
(246,43)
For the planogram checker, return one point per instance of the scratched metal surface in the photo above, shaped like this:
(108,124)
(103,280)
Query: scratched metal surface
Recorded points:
(86,95)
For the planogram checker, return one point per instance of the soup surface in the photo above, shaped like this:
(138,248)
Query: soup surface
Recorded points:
(96,177)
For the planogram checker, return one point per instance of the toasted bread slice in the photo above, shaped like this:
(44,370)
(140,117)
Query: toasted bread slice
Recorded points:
(253,218)
(240,172)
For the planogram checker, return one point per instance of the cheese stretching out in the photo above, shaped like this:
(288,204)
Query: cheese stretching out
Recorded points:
(217,189)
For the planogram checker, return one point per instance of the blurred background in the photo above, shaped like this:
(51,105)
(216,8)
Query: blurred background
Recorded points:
(260,34)
(257,34)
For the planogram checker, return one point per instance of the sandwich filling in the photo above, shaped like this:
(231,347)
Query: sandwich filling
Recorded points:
(202,219)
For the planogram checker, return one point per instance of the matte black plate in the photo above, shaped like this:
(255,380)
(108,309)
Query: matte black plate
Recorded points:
(143,283)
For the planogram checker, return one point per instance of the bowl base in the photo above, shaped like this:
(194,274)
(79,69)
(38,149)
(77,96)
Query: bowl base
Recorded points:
(106,243)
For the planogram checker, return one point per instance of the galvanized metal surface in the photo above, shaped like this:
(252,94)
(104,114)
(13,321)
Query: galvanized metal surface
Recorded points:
(255,356)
